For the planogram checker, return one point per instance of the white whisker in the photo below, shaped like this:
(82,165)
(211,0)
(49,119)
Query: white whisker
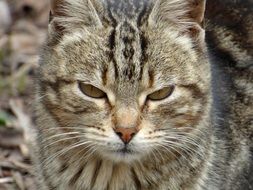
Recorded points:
(65,139)
(64,151)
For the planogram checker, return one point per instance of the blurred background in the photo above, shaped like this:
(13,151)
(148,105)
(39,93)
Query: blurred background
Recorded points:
(23,28)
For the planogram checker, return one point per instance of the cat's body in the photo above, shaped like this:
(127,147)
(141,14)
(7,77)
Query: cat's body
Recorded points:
(198,136)
(229,34)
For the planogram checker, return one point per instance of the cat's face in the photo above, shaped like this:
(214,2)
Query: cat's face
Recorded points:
(128,93)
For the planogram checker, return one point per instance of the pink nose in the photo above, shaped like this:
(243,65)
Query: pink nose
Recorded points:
(126,134)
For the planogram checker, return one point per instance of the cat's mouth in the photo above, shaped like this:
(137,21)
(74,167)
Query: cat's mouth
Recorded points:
(124,153)
(125,150)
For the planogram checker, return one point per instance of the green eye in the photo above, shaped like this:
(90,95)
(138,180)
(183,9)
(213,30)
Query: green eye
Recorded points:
(161,94)
(91,91)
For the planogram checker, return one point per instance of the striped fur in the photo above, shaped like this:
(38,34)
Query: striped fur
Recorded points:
(196,139)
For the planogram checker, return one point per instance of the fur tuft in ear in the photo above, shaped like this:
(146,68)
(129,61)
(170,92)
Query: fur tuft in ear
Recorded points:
(67,15)
(56,7)
(197,11)
(168,11)
(186,16)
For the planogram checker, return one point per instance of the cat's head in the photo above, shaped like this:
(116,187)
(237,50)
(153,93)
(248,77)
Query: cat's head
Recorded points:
(129,79)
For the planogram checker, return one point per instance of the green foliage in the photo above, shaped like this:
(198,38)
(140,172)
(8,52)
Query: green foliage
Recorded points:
(4,118)
(22,83)
(1,57)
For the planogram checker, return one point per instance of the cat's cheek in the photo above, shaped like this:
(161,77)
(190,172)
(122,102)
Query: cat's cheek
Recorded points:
(101,103)
(152,106)
(141,139)
(145,127)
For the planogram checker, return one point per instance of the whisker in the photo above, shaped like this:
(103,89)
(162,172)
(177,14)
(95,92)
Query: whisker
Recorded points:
(80,159)
(184,139)
(180,130)
(38,99)
(184,147)
(59,128)
(153,151)
(59,135)
(64,151)
(167,148)
(65,139)
(156,150)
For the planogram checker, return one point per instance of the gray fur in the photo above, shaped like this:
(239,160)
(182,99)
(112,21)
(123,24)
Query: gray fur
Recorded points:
(196,139)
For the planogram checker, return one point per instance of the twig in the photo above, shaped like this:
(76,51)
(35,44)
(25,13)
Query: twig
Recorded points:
(6,180)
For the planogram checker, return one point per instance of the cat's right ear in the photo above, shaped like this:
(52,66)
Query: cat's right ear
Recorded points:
(56,11)
(56,8)
(68,14)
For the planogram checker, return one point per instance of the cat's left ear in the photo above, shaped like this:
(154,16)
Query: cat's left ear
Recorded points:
(197,11)
(185,15)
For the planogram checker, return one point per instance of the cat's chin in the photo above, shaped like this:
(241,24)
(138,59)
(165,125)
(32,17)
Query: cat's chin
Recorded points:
(121,155)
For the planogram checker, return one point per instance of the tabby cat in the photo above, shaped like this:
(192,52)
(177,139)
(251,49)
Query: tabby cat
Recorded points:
(131,97)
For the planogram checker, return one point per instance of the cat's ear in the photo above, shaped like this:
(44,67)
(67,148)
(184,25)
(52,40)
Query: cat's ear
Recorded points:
(197,11)
(55,7)
(69,14)
(186,15)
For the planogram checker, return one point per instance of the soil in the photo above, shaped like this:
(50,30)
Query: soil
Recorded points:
(23,29)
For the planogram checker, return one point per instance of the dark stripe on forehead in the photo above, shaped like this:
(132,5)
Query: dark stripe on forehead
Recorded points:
(110,14)
(127,35)
(128,49)
(126,8)
(126,41)
(143,15)
(112,39)
(111,44)
(144,57)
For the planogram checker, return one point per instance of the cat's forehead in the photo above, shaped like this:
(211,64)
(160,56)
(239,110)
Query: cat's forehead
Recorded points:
(126,39)
(128,48)
(127,43)
(131,9)
(121,42)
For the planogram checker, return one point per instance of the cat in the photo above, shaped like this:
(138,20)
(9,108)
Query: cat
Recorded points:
(135,95)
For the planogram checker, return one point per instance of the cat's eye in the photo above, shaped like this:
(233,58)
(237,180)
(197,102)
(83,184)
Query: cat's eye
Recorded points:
(91,91)
(161,94)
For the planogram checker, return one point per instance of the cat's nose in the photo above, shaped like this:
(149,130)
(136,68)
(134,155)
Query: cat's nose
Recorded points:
(126,134)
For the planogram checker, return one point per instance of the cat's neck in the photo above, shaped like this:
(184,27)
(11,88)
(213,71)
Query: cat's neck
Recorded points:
(101,173)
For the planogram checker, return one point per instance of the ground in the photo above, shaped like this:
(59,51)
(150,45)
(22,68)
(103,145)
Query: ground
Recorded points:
(23,28)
